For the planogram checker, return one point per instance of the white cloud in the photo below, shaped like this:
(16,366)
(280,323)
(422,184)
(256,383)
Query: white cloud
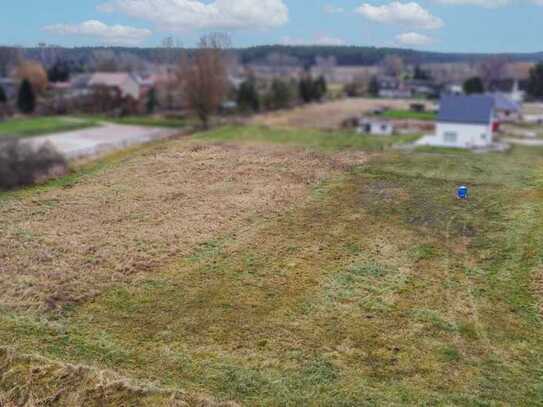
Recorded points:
(481,3)
(110,34)
(181,15)
(333,9)
(408,14)
(319,40)
(413,39)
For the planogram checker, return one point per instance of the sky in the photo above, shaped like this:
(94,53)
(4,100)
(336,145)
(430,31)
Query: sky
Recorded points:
(435,25)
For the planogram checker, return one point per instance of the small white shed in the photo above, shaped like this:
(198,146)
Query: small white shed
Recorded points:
(375,127)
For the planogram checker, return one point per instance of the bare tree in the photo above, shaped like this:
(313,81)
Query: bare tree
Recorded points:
(203,76)
(35,73)
(393,65)
(493,69)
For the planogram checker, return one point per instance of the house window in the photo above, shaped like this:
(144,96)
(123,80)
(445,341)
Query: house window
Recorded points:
(450,137)
(483,136)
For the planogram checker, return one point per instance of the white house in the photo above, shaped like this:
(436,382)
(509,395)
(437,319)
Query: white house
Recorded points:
(464,122)
(505,108)
(375,127)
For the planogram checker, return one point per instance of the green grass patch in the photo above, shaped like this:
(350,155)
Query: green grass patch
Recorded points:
(37,126)
(307,138)
(407,114)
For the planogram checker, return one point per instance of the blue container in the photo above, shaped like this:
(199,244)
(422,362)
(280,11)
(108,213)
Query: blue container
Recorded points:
(462,192)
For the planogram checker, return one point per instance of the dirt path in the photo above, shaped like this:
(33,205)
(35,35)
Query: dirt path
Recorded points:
(108,137)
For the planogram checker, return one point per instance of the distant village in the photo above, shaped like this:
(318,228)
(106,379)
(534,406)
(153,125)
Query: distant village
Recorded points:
(120,85)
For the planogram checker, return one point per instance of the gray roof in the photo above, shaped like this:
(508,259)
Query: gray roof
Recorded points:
(503,102)
(477,109)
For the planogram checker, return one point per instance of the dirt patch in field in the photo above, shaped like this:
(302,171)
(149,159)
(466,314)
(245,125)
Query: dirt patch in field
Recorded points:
(66,245)
(326,115)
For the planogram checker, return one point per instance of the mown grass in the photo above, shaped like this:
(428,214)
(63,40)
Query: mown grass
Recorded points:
(380,289)
(307,138)
(407,114)
(37,126)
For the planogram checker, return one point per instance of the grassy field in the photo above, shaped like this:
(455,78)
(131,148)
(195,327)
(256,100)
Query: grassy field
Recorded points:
(329,116)
(277,268)
(37,126)
(407,114)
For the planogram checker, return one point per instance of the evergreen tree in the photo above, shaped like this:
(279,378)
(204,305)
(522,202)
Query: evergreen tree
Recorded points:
(151,101)
(305,89)
(374,87)
(321,88)
(3,97)
(26,101)
(535,84)
(473,86)
(279,96)
(248,98)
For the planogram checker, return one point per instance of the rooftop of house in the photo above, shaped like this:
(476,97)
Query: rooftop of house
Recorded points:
(110,79)
(466,109)
(503,102)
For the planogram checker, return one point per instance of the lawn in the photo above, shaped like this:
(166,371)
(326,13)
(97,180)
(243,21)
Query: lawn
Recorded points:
(277,268)
(407,114)
(37,126)
(328,141)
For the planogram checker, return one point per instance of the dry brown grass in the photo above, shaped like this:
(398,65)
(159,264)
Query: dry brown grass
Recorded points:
(64,246)
(33,381)
(326,115)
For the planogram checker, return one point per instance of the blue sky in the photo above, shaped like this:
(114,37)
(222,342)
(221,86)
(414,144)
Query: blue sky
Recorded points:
(440,25)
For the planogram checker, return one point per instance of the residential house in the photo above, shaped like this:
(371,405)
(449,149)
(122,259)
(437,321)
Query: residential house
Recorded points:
(126,83)
(506,109)
(11,87)
(514,89)
(393,88)
(423,88)
(464,122)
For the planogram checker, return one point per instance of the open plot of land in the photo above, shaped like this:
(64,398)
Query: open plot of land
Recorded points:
(27,127)
(150,121)
(106,138)
(328,115)
(244,267)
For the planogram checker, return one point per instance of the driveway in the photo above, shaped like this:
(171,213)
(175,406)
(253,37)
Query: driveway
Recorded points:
(99,140)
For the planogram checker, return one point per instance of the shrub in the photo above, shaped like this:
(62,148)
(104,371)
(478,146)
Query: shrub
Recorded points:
(22,164)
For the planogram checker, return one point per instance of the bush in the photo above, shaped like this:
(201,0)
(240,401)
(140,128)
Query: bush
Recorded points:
(22,164)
